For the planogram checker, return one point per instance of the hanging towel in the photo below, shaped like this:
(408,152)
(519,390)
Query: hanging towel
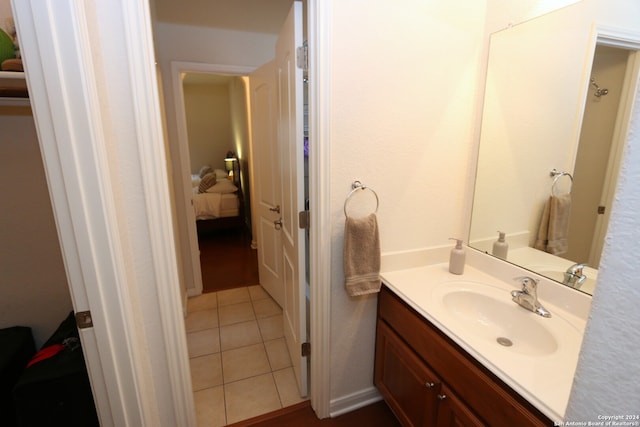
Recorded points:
(361,255)
(553,234)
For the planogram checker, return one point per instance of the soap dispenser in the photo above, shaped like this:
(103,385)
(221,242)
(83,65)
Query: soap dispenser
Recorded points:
(500,246)
(457,257)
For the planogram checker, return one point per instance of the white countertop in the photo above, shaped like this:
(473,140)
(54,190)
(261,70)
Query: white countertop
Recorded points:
(545,379)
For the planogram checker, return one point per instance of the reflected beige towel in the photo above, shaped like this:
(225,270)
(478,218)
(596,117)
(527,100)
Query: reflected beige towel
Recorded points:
(361,255)
(553,234)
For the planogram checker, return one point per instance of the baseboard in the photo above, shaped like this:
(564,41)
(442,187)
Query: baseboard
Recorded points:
(353,401)
(193,292)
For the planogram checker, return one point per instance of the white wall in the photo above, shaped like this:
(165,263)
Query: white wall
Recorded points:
(404,86)
(33,281)
(208,114)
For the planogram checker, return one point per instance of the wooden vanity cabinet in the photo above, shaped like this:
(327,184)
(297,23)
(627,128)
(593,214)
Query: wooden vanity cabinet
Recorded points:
(428,380)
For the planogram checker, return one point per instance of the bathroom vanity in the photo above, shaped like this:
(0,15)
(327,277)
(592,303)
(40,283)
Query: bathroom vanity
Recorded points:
(439,358)
(428,380)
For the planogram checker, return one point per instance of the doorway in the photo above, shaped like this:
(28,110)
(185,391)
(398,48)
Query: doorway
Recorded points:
(290,144)
(600,149)
(239,361)
(217,140)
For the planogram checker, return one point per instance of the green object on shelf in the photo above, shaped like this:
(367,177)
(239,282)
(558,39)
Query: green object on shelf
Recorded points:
(7,49)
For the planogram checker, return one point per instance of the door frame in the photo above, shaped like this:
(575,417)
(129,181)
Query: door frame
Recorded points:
(135,349)
(193,248)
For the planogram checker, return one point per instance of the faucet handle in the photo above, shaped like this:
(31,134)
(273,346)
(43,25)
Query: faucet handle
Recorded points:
(528,283)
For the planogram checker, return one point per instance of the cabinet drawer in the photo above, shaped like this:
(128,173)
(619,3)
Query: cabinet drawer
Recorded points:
(493,401)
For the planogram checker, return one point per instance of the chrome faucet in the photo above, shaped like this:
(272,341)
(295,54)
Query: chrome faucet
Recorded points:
(528,296)
(574,276)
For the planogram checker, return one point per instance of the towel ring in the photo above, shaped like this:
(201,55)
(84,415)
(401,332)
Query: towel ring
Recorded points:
(357,185)
(557,175)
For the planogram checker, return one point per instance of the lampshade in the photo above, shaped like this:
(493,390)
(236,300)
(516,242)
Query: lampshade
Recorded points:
(228,160)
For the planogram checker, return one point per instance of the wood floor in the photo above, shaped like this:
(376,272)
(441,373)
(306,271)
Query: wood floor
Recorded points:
(227,260)
(302,415)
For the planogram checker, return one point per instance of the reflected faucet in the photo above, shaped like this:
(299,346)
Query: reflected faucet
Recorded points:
(528,296)
(574,276)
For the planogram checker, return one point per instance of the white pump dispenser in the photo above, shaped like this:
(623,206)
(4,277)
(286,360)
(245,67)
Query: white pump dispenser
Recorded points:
(457,258)
(500,246)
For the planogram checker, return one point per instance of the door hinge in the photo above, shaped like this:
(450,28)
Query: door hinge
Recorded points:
(83,320)
(302,57)
(306,349)
(304,220)
(601,210)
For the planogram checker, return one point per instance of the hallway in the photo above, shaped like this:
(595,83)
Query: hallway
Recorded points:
(240,367)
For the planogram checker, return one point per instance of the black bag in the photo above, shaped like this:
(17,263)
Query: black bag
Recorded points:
(16,349)
(55,389)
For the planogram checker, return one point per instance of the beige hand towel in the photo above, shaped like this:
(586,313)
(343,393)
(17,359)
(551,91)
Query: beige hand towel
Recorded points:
(553,234)
(361,255)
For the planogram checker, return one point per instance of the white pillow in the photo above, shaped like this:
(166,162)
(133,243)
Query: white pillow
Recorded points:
(220,174)
(224,186)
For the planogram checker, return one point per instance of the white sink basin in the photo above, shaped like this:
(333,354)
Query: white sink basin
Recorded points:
(479,312)
(504,323)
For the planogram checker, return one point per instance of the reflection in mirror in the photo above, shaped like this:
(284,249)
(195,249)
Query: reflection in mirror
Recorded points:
(538,118)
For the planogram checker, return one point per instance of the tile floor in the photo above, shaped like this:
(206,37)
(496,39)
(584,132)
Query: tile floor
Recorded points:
(240,366)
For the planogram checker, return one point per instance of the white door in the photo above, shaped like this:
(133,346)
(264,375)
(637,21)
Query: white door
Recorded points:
(290,142)
(267,186)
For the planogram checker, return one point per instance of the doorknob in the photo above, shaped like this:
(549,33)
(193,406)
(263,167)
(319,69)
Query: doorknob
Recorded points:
(278,224)
(276,209)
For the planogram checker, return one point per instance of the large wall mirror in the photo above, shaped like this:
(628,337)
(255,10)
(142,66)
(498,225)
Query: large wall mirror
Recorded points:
(557,101)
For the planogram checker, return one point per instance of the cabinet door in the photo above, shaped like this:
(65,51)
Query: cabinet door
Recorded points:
(408,386)
(452,412)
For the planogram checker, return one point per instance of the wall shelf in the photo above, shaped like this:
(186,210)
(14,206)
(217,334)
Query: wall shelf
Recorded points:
(13,89)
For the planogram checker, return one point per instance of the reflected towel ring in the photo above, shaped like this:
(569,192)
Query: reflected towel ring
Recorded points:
(357,185)
(557,175)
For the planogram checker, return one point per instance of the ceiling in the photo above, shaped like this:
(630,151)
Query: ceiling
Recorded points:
(260,16)
(205,79)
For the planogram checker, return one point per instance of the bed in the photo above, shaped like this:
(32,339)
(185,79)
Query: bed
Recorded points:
(217,201)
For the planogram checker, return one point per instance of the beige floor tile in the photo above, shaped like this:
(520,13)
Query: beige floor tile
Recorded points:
(287,387)
(201,319)
(271,327)
(245,362)
(251,397)
(233,296)
(202,302)
(210,408)
(206,371)
(266,308)
(236,313)
(239,335)
(203,342)
(278,354)
(257,292)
